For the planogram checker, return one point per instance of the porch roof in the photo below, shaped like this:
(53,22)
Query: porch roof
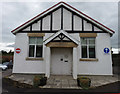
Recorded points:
(59,32)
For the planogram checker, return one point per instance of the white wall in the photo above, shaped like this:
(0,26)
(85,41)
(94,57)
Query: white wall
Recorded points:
(57,19)
(97,29)
(46,23)
(77,23)
(27,29)
(101,67)
(20,63)
(75,36)
(47,35)
(87,26)
(36,26)
(67,20)
(104,64)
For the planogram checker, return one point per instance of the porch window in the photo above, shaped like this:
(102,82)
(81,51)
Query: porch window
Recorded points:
(88,47)
(35,46)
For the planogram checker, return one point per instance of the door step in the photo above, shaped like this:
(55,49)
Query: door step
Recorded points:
(61,81)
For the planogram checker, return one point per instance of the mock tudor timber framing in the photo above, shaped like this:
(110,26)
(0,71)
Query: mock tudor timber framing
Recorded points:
(51,24)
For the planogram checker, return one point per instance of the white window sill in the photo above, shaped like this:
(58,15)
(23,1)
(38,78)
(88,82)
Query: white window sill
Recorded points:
(39,58)
(88,59)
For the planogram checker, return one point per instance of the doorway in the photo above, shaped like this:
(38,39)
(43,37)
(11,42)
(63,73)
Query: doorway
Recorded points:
(61,61)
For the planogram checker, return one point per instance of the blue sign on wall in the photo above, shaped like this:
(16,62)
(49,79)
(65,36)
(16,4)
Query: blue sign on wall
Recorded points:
(106,50)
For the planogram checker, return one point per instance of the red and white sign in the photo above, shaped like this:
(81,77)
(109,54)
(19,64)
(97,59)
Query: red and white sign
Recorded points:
(18,50)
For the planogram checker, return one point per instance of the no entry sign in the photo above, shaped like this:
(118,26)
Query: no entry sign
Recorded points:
(18,50)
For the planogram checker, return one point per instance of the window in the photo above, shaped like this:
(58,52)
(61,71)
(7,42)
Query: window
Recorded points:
(35,46)
(88,47)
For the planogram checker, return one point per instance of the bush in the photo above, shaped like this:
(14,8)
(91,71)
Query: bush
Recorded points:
(84,82)
(39,81)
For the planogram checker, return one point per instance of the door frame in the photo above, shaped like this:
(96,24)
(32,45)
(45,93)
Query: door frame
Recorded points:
(48,62)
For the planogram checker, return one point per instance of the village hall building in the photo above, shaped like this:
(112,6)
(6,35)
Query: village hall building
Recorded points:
(62,41)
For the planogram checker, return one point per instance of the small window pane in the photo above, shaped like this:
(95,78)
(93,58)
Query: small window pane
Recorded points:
(92,41)
(83,41)
(39,40)
(84,51)
(38,51)
(91,51)
(32,40)
(31,50)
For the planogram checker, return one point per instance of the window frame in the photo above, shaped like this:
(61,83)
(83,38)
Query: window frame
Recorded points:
(35,46)
(88,46)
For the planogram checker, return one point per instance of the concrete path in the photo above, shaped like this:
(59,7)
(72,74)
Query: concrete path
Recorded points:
(61,82)
(65,82)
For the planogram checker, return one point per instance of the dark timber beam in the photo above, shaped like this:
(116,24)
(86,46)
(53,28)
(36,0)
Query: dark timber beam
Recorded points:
(72,21)
(92,27)
(82,24)
(61,18)
(31,27)
(51,22)
(41,24)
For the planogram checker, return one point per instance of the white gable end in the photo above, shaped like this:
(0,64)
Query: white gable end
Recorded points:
(55,22)
(63,17)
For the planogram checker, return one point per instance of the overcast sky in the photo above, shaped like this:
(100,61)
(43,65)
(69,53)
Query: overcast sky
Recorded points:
(16,13)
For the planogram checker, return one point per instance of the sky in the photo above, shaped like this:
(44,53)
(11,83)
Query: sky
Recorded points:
(16,13)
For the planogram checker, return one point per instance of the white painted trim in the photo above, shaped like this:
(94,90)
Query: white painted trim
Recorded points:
(48,59)
(75,50)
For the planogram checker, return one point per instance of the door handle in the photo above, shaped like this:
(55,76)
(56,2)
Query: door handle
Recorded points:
(66,61)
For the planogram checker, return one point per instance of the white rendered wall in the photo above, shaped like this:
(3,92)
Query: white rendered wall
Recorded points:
(21,65)
(27,29)
(87,26)
(101,67)
(47,35)
(75,36)
(36,26)
(104,64)
(46,23)
(67,20)
(57,19)
(97,29)
(77,23)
